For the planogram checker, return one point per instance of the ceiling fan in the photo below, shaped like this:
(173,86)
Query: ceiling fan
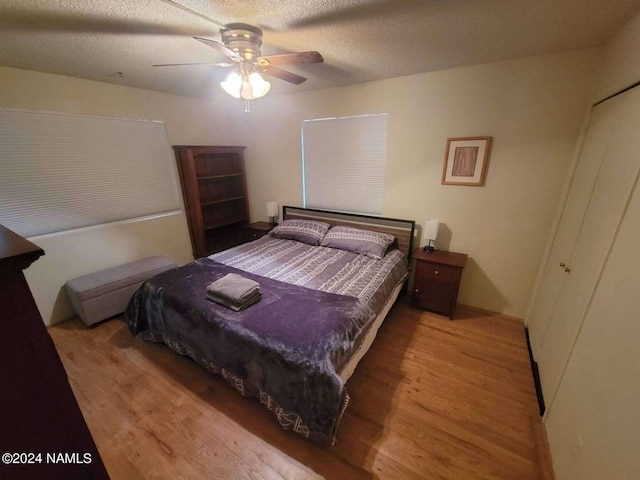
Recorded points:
(241,44)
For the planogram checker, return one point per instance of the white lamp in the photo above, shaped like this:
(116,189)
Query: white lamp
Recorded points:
(430,232)
(272,212)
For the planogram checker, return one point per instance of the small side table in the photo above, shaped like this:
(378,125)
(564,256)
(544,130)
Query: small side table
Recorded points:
(256,230)
(437,280)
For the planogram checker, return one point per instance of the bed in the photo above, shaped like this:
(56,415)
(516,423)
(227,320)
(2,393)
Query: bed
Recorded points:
(325,294)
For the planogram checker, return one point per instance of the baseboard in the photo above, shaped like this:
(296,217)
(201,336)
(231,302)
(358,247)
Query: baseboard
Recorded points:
(486,312)
(536,375)
(543,453)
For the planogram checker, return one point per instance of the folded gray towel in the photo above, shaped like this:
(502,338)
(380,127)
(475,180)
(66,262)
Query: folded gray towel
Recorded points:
(233,290)
(235,306)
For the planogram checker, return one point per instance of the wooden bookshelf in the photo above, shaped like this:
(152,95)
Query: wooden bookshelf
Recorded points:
(214,188)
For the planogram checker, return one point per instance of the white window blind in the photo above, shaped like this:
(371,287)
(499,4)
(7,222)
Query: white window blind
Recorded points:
(343,163)
(59,172)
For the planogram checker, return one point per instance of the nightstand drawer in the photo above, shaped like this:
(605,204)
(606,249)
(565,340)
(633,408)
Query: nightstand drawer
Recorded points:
(252,234)
(256,230)
(437,273)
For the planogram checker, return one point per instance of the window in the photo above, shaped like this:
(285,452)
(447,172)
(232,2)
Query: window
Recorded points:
(59,172)
(343,162)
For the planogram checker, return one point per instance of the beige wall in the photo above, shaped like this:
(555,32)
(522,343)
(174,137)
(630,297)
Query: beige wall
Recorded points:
(621,65)
(533,107)
(188,121)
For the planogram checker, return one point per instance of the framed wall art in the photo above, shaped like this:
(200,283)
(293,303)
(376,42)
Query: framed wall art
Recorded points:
(466,161)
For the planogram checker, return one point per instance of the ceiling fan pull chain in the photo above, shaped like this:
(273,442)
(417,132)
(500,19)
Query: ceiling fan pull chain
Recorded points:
(247,106)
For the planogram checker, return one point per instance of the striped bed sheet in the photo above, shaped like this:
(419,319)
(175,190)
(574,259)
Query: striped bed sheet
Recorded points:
(320,268)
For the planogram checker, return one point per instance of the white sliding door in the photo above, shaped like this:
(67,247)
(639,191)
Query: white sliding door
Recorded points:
(582,185)
(586,239)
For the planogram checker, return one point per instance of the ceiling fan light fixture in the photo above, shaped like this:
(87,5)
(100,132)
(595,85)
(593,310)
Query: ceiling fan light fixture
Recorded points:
(246,87)
(259,85)
(232,84)
(241,44)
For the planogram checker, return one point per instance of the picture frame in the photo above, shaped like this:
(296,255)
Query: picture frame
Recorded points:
(466,161)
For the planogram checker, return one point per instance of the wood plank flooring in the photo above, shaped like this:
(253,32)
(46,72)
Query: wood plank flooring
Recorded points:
(433,399)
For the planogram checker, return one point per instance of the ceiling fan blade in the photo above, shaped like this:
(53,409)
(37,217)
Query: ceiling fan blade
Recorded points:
(282,74)
(40,21)
(219,64)
(358,12)
(221,48)
(193,12)
(288,58)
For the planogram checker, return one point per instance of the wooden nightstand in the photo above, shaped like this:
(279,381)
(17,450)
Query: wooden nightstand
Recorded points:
(437,280)
(256,230)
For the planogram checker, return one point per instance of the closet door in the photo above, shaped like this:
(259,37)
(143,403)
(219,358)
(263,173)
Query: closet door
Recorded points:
(614,185)
(582,184)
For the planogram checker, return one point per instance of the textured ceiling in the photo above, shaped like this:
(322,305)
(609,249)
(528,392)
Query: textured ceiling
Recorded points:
(118,41)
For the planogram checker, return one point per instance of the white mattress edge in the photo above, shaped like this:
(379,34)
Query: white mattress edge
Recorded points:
(370,336)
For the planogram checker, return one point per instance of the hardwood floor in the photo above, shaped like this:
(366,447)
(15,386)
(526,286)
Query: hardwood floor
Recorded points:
(433,399)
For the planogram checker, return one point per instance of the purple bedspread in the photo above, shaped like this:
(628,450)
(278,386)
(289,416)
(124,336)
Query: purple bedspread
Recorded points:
(284,350)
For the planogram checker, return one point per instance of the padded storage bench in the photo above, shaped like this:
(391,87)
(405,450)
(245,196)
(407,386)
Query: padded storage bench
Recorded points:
(100,295)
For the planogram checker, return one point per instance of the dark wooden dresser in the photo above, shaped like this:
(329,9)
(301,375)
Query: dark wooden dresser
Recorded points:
(39,416)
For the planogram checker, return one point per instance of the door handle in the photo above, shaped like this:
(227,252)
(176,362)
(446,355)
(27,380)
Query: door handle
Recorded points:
(562,265)
(568,270)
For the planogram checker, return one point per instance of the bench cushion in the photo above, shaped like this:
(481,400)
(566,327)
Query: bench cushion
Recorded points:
(105,293)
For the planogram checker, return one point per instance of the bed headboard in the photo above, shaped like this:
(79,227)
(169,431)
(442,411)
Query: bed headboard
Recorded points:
(401,229)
